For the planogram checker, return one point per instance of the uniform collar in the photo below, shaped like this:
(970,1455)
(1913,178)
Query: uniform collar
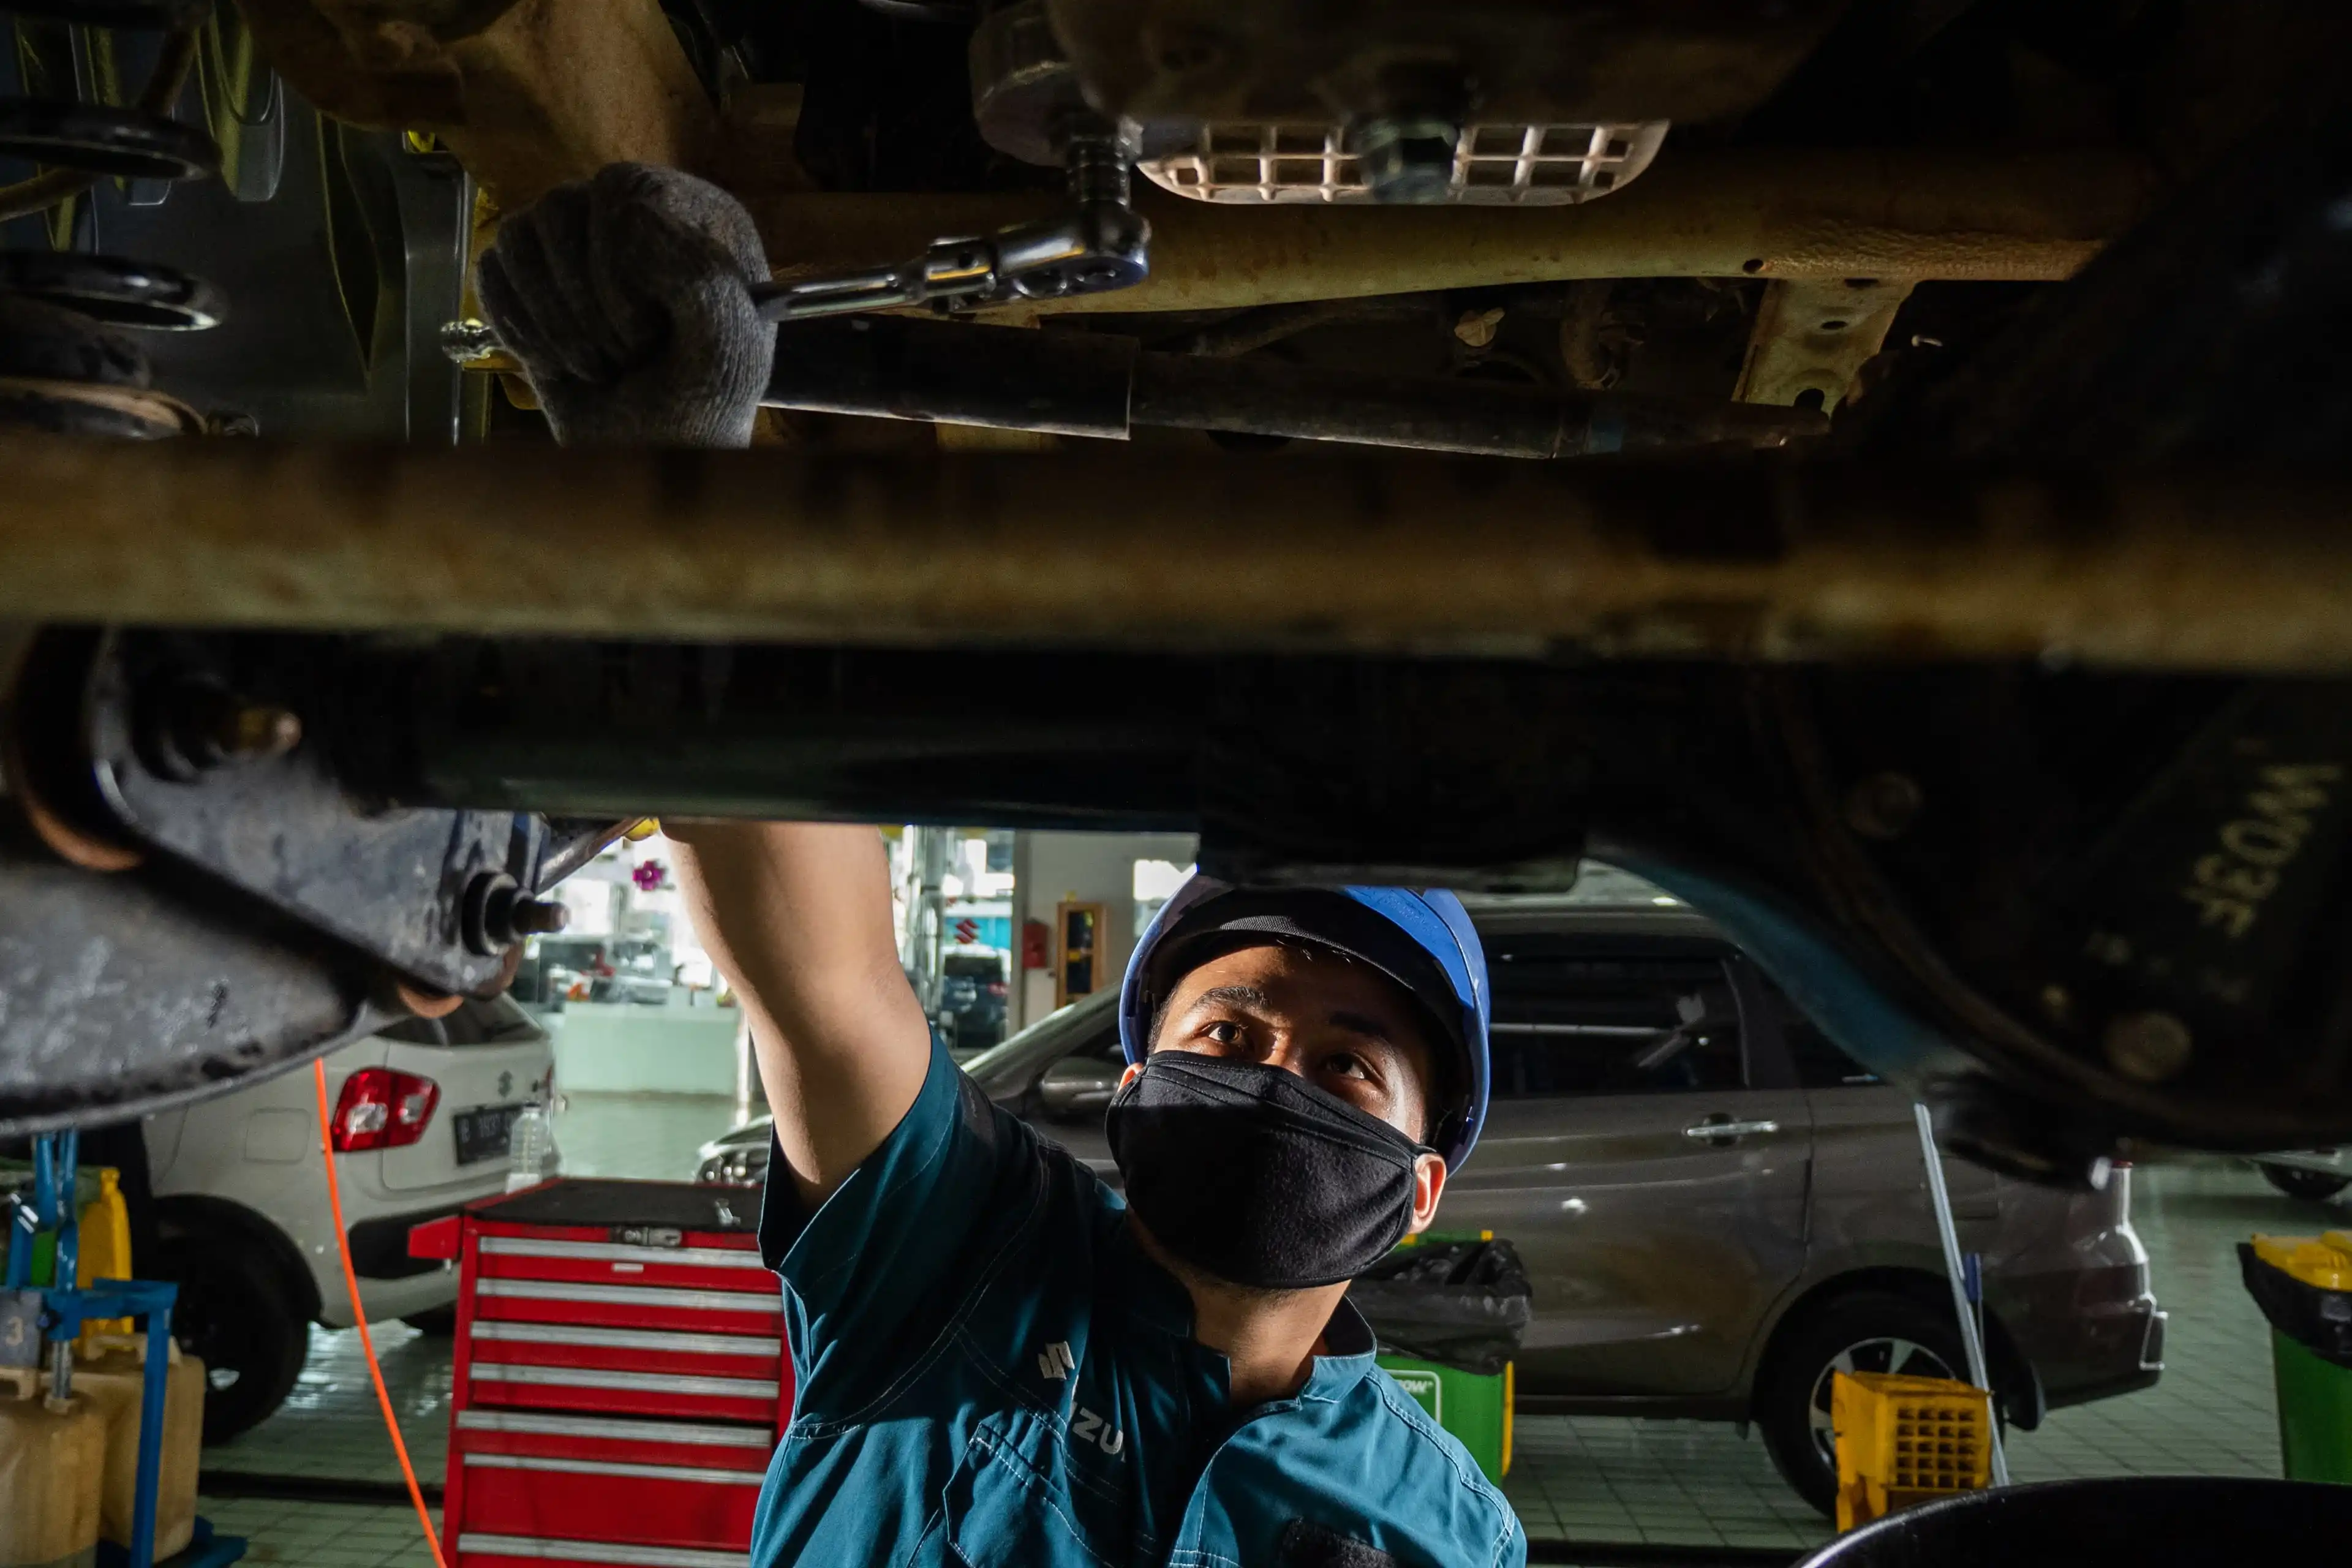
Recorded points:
(1348,1356)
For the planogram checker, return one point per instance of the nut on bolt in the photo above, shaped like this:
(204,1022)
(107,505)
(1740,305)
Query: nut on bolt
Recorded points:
(497,914)
(256,731)
(200,724)
(536,917)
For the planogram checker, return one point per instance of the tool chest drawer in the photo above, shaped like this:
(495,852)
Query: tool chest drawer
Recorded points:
(605,1499)
(630,1307)
(485,1549)
(692,1445)
(631,1393)
(629,1349)
(599,1261)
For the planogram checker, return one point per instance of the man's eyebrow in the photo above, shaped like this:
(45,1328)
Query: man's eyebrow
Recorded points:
(1238,996)
(1360,1024)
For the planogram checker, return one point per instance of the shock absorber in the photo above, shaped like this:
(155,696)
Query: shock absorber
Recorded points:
(65,363)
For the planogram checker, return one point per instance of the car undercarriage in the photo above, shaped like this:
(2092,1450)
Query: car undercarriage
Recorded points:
(1875,469)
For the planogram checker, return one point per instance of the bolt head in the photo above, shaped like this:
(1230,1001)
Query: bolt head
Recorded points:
(1476,329)
(1883,805)
(2148,1048)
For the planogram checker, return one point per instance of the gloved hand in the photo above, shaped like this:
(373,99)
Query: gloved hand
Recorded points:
(624,297)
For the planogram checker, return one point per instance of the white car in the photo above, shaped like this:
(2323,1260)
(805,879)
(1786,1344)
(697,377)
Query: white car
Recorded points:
(2315,1175)
(422,1116)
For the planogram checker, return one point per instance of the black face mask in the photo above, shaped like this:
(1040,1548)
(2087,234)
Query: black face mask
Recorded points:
(1254,1175)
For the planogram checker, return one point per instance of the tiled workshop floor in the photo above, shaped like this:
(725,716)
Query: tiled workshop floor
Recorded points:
(1646,1484)
(322,1535)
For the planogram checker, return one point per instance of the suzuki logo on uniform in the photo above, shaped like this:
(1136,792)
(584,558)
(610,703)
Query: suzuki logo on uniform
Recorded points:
(1089,1427)
(1056,1362)
(506,1084)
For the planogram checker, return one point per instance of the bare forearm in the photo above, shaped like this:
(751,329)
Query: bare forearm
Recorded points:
(797,916)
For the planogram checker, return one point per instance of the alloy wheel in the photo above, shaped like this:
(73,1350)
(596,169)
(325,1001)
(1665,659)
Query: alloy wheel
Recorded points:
(1888,1353)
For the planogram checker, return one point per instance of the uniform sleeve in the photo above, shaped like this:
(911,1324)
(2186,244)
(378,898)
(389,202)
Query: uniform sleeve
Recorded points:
(874,1275)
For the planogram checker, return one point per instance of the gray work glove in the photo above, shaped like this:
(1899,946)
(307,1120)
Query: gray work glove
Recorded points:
(624,298)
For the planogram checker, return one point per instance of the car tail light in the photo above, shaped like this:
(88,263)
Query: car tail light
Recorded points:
(381,1109)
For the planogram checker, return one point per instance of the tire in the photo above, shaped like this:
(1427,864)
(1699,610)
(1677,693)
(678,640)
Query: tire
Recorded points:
(1866,1330)
(235,1312)
(2311,1186)
(439,1323)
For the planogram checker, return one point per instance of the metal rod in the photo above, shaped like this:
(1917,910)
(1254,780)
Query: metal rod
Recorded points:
(1955,1273)
(2217,567)
(1722,213)
(1096,384)
(60,1393)
(153,1385)
(1262,397)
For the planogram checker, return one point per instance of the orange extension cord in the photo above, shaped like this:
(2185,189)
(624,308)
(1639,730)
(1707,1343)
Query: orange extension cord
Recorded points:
(359,1313)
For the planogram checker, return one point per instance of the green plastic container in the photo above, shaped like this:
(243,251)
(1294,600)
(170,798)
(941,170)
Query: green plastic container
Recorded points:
(2314,1411)
(2303,1285)
(1475,1409)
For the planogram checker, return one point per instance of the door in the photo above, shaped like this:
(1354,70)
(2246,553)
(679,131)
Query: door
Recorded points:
(1651,1177)
(1870,1186)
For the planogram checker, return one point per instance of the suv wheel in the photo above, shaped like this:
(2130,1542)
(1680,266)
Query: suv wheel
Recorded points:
(2312,1187)
(237,1315)
(1868,1330)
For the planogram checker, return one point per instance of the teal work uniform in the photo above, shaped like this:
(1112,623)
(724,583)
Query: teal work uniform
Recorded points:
(991,1373)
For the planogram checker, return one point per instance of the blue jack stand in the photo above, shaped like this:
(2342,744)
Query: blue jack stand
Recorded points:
(65,1307)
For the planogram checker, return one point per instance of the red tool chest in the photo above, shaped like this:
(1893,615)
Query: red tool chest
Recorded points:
(620,1375)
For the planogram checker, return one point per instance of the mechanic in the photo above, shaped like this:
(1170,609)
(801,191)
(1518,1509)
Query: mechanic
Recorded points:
(998,1360)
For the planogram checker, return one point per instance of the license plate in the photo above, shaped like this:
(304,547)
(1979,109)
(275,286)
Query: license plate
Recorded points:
(485,1134)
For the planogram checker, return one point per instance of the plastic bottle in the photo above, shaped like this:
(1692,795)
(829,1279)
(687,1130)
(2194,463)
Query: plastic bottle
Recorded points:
(531,1156)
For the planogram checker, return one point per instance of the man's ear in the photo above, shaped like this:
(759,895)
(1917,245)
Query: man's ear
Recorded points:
(1428,1186)
(1129,1076)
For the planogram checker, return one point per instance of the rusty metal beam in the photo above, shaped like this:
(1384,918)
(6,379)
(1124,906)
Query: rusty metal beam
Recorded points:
(1905,214)
(528,93)
(2224,568)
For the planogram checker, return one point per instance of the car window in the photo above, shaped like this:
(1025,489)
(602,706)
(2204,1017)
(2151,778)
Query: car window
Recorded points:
(416,1031)
(1572,1021)
(1819,1063)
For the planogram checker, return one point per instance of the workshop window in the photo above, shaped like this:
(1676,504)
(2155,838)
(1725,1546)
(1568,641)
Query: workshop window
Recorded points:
(1571,1022)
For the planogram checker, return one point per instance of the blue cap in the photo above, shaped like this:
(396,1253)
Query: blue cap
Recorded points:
(1448,976)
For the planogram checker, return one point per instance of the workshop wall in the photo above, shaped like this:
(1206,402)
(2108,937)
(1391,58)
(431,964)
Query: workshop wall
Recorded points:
(1051,868)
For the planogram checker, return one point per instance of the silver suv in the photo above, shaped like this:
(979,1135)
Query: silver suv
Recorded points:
(1718,1207)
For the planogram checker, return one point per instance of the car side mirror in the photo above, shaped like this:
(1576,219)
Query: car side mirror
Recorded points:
(1071,1092)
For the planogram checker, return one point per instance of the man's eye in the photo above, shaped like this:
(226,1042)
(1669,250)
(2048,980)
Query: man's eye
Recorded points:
(1224,1032)
(1347,1065)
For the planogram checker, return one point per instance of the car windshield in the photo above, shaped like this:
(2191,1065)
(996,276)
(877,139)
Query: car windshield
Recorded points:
(497,1021)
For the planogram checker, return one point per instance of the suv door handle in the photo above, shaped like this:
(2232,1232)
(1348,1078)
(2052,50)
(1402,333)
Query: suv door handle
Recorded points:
(1727,1130)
